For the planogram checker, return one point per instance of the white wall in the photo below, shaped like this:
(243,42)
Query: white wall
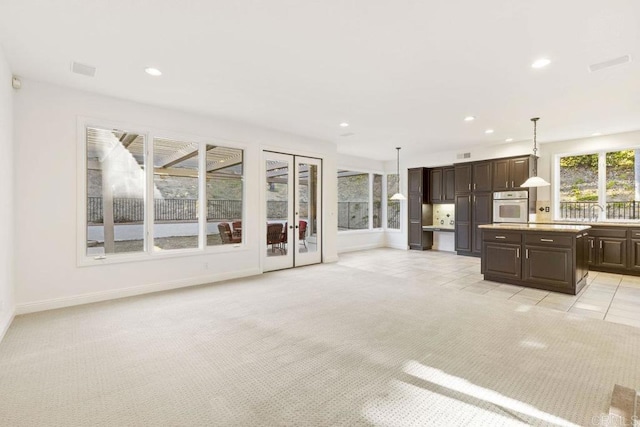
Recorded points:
(45,127)
(7,305)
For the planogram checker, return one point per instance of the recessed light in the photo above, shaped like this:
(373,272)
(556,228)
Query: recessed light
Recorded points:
(508,140)
(153,71)
(540,63)
(488,131)
(596,134)
(469,118)
(344,125)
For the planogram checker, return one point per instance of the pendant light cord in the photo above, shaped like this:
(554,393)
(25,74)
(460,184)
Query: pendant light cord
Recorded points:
(535,146)
(398,166)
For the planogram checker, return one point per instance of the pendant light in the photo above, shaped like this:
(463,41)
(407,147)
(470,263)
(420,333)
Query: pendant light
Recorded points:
(398,195)
(535,180)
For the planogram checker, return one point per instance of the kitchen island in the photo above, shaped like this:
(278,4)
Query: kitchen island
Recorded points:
(544,256)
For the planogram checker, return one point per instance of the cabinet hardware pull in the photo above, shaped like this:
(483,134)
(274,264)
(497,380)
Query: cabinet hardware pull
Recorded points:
(578,236)
(600,244)
(546,240)
(512,183)
(506,184)
(517,252)
(592,244)
(526,253)
(501,237)
(474,185)
(469,186)
(636,234)
(519,161)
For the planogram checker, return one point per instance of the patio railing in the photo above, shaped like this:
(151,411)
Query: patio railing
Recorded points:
(613,210)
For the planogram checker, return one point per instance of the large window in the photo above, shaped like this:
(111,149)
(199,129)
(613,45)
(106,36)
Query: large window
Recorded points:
(126,204)
(602,185)
(353,200)
(393,206)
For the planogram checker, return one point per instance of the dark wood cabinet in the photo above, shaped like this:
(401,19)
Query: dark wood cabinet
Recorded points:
(502,260)
(481,214)
(634,258)
(463,178)
(591,250)
(442,181)
(481,176)
(607,248)
(555,261)
(612,252)
(463,223)
(509,174)
(549,266)
(419,212)
(448,184)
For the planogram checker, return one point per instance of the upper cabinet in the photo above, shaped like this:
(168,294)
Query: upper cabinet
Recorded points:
(442,182)
(509,174)
(474,176)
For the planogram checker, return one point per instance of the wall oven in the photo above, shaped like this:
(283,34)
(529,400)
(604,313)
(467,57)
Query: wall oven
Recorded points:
(511,206)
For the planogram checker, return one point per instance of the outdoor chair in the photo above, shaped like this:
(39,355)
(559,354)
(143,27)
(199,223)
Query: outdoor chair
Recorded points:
(302,232)
(275,237)
(237,228)
(225,234)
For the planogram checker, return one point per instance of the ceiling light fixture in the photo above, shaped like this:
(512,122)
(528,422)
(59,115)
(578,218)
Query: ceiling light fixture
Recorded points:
(344,125)
(153,71)
(398,195)
(541,63)
(488,131)
(596,134)
(535,180)
(469,118)
(508,140)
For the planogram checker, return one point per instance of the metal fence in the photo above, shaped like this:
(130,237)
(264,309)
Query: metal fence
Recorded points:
(353,215)
(131,210)
(589,210)
(393,214)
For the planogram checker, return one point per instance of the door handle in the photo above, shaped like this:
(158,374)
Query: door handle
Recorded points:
(592,244)
(474,185)
(517,252)
(506,184)
(296,226)
(526,253)
(600,244)
(546,240)
(291,227)
(513,183)
(469,186)
(501,237)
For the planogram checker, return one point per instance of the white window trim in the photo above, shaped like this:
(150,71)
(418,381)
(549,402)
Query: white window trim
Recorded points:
(149,132)
(371,173)
(602,177)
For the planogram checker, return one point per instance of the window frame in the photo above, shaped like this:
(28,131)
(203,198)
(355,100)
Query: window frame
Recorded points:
(150,133)
(602,178)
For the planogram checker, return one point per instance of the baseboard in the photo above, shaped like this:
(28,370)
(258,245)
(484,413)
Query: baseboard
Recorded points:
(401,246)
(328,259)
(360,248)
(5,323)
(54,303)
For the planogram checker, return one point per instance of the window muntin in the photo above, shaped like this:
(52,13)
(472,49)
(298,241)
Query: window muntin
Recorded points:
(393,206)
(599,185)
(115,191)
(141,202)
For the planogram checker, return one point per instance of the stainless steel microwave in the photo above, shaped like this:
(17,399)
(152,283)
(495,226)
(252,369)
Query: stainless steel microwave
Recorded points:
(511,206)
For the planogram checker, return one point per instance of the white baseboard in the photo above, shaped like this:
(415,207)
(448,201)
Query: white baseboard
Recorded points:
(360,248)
(5,323)
(400,246)
(50,304)
(328,259)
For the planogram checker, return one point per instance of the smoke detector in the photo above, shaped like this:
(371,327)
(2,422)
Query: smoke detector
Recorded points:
(610,63)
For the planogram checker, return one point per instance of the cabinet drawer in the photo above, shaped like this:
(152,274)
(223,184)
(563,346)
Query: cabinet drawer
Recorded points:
(609,232)
(634,233)
(552,239)
(501,236)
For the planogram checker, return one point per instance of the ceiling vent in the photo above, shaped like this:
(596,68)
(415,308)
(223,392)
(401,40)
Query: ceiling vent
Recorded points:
(347,134)
(610,63)
(85,70)
(463,156)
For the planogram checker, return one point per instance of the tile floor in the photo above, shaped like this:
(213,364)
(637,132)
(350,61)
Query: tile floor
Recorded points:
(612,297)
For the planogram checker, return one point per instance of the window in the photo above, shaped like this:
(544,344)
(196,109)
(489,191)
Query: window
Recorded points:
(393,206)
(599,185)
(353,200)
(192,199)
(377,201)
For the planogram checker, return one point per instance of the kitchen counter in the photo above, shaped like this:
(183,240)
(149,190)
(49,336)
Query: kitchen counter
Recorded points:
(596,223)
(554,227)
(437,228)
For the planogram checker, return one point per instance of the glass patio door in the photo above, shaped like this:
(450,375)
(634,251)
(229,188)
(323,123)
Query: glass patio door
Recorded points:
(292,234)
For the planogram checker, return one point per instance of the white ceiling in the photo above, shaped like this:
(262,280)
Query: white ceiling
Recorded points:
(402,72)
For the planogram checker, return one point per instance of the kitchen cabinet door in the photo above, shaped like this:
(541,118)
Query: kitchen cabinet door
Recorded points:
(463,232)
(436,183)
(482,176)
(448,185)
(549,266)
(591,250)
(634,259)
(482,214)
(463,178)
(518,172)
(501,178)
(612,252)
(502,259)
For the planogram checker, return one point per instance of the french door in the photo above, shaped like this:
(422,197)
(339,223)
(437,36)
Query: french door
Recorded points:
(293,226)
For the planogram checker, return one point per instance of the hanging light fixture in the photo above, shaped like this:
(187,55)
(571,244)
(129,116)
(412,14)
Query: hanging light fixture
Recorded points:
(398,195)
(535,180)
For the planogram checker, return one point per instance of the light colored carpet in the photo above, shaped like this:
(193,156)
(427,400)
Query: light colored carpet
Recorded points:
(316,346)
